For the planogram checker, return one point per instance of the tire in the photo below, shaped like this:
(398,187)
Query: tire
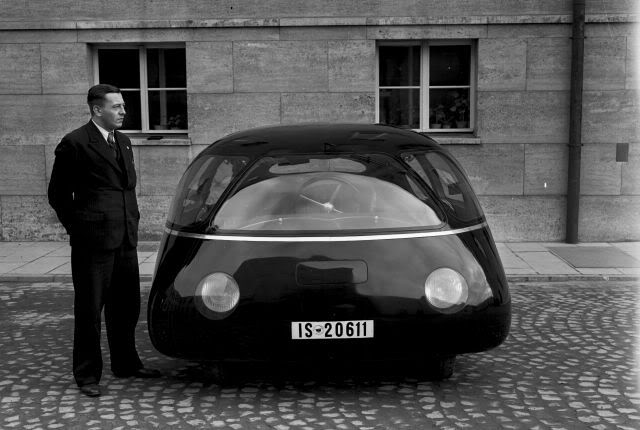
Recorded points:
(438,368)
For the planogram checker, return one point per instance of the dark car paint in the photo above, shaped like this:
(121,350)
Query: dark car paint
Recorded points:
(272,295)
(318,138)
(393,296)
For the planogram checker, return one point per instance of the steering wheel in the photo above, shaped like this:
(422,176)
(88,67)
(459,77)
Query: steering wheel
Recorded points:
(321,200)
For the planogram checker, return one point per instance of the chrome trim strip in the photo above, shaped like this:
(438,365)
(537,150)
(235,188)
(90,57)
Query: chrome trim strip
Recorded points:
(324,238)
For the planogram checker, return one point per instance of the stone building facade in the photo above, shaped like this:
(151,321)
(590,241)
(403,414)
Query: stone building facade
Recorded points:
(251,63)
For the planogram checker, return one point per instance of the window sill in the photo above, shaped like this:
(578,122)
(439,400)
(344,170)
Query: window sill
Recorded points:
(156,140)
(454,139)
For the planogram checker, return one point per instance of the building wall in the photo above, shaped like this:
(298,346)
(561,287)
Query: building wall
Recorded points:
(253,63)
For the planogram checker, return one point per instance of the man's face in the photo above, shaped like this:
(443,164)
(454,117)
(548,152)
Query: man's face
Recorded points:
(111,114)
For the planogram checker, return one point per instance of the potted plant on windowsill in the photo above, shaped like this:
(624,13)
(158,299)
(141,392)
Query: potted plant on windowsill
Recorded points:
(175,123)
(459,111)
(439,117)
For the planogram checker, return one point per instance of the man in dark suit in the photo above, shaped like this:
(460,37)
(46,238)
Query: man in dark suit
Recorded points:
(92,190)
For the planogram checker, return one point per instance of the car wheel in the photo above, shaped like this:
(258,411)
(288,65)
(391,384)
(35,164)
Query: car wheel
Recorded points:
(438,368)
(221,373)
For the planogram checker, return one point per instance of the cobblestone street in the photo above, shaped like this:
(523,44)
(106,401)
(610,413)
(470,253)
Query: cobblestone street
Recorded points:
(571,361)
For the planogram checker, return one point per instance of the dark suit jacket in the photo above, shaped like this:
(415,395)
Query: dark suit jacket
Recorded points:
(92,194)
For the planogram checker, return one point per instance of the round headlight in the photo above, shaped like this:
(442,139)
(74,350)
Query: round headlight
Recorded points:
(218,292)
(446,289)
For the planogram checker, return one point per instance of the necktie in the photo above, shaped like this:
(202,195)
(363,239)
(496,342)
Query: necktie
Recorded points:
(111,140)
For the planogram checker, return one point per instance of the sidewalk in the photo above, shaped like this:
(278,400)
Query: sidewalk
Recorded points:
(526,261)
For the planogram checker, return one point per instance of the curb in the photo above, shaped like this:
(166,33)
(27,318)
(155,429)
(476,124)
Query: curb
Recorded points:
(51,278)
(510,278)
(568,278)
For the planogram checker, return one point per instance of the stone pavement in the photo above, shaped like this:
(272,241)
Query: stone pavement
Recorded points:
(522,261)
(570,362)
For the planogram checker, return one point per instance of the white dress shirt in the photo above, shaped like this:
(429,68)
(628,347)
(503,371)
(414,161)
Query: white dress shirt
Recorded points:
(105,133)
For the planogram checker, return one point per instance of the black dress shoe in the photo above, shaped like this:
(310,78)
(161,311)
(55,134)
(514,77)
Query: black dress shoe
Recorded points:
(139,373)
(91,390)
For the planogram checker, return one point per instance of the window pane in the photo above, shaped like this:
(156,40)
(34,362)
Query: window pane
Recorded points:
(201,186)
(119,67)
(132,120)
(168,110)
(446,179)
(399,66)
(366,192)
(413,162)
(166,68)
(452,187)
(400,108)
(449,108)
(449,65)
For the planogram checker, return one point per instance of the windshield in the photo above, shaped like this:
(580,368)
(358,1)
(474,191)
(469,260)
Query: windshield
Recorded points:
(327,193)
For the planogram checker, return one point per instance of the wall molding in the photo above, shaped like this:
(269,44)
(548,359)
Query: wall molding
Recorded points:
(314,22)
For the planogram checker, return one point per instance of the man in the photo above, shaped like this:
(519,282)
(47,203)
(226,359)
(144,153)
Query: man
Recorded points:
(92,190)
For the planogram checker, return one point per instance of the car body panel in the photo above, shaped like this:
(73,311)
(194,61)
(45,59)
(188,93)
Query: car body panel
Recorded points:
(272,297)
(343,275)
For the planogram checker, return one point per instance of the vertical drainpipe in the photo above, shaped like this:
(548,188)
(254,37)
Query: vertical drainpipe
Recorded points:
(575,121)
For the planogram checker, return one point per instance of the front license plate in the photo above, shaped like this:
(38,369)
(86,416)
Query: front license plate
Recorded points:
(332,329)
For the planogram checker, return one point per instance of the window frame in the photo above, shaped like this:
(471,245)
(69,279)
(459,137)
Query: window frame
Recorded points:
(144,85)
(425,86)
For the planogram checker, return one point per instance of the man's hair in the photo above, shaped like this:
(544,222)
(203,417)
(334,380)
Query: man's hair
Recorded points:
(96,94)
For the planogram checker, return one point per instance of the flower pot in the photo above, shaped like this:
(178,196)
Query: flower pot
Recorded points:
(436,125)
(462,124)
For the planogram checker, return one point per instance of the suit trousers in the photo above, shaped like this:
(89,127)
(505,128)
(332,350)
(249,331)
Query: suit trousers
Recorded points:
(106,279)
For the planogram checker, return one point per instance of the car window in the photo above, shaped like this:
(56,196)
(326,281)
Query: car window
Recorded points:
(413,162)
(201,187)
(305,165)
(325,193)
(449,183)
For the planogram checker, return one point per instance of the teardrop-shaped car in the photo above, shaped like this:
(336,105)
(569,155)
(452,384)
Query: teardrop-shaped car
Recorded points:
(327,242)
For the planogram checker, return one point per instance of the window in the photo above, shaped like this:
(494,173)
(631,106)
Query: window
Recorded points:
(427,86)
(201,187)
(445,178)
(153,81)
(325,193)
